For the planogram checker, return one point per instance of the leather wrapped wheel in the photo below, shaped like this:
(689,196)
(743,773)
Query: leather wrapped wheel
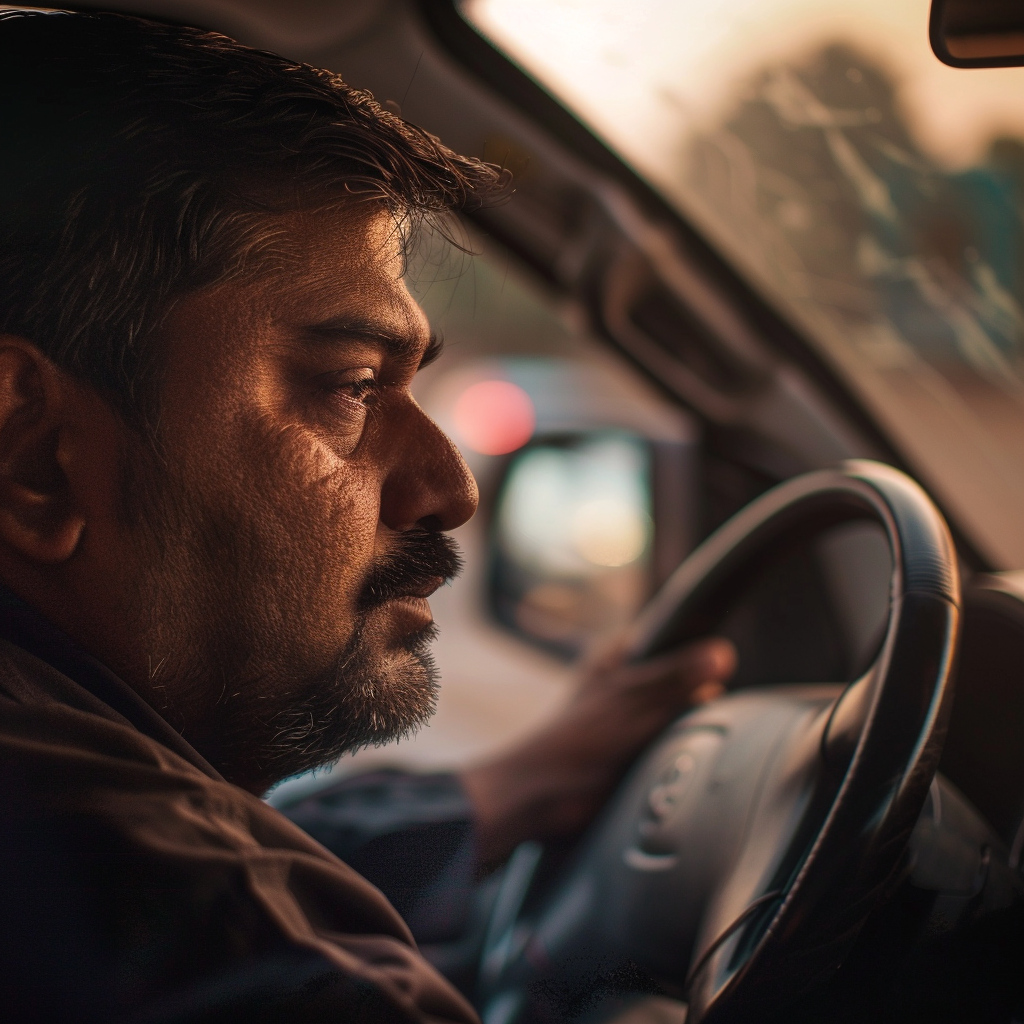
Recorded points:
(740,857)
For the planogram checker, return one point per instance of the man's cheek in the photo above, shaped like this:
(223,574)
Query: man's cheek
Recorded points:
(308,459)
(337,494)
(328,506)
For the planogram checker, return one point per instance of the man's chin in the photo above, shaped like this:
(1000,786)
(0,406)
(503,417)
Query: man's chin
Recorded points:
(370,697)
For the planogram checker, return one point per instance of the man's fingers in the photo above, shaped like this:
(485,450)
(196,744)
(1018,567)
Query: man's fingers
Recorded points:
(706,693)
(681,678)
(705,661)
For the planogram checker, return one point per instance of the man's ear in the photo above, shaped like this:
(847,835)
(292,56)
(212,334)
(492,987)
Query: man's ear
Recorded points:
(39,519)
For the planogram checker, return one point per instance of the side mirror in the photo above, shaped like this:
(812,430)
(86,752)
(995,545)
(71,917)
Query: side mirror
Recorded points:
(978,33)
(577,541)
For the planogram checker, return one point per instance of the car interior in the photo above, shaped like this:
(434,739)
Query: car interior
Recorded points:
(689,407)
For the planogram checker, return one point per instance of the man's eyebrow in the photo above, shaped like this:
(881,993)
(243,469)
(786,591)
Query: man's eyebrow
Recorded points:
(397,344)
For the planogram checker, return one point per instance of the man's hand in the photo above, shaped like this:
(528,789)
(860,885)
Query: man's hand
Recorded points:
(551,786)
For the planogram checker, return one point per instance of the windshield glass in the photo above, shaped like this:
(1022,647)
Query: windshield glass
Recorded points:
(876,195)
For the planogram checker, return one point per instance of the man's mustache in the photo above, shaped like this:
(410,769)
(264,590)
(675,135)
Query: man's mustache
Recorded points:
(421,560)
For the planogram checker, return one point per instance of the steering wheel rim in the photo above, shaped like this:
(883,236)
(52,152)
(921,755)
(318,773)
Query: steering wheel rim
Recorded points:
(852,771)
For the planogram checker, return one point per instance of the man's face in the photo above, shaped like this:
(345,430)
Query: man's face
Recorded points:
(281,550)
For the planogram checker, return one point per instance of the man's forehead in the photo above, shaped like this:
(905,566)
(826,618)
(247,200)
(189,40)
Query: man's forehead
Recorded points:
(359,237)
(349,275)
(340,280)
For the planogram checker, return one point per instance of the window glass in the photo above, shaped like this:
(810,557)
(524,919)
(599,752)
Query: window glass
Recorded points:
(874,194)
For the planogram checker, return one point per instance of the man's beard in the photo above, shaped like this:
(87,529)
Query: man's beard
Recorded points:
(258,726)
(362,700)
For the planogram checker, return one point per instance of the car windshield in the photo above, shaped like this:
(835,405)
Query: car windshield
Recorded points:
(873,194)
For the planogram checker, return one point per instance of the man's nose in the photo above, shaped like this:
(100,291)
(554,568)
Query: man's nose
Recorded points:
(428,482)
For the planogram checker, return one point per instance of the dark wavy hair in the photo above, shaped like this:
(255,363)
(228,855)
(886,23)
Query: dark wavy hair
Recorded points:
(142,161)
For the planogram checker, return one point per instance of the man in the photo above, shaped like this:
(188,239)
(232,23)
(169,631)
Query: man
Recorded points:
(221,515)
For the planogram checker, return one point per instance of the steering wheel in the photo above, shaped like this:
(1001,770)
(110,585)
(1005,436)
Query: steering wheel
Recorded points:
(738,860)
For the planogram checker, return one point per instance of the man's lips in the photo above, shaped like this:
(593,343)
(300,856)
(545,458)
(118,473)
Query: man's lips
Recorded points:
(409,613)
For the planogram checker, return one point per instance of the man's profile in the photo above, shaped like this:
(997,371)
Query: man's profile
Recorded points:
(221,516)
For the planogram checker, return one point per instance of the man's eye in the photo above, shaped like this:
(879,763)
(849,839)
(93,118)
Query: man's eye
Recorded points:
(359,386)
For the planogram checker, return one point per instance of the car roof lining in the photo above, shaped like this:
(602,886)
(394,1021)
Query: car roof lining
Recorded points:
(293,27)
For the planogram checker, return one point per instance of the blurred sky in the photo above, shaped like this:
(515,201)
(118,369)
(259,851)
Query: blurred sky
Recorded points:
(633,68)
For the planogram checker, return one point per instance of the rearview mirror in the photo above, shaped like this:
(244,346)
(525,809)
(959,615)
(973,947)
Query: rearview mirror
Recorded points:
(978,33)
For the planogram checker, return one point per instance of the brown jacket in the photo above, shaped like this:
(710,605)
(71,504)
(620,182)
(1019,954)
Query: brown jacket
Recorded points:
(137,885)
